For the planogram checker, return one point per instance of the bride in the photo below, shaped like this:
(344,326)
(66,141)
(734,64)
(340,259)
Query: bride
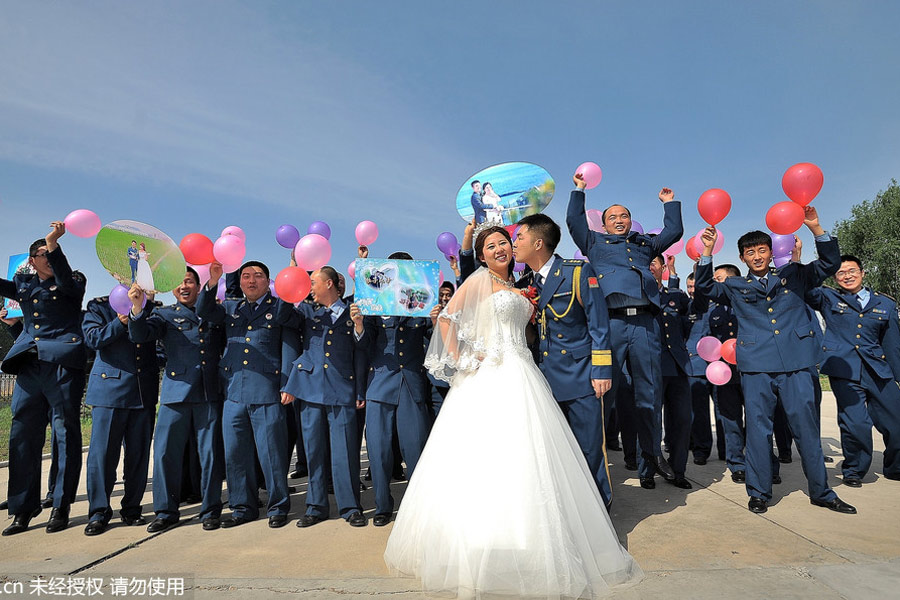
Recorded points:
(502,501)
(493,210)
(144,277)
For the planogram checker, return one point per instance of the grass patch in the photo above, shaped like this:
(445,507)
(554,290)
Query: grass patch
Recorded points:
(6,423)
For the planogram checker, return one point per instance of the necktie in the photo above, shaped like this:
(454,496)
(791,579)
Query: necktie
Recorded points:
(859,298)
(538,282)
(764,281)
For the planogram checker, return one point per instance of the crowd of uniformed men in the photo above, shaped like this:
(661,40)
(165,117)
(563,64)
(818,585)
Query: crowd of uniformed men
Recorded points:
(248,380)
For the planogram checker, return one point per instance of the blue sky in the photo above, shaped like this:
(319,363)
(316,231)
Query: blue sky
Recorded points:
(195,116)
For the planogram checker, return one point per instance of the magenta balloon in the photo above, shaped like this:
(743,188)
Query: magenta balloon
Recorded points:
(595,220)
(780,261)
(82,223)
(592,174)
(220,290)
(447,242)
(635,226)
(440,276)
(229,249)
(674,248)
(698,242)
(366,233)
(782,245)
(119,300)
(312,252)
(236,231)
(226,268)
(287,236)
(709,348)
(351,269)
(519,267)
(320,228)
(718,373)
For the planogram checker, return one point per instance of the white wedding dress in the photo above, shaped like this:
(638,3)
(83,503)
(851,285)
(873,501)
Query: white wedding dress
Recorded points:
(144,276)
(502,501)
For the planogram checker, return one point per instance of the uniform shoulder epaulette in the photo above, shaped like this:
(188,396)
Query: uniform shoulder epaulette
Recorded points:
(79,277)
(573,262)
(883,295)
(101,299)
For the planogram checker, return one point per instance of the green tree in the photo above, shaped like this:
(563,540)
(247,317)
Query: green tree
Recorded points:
(872,233)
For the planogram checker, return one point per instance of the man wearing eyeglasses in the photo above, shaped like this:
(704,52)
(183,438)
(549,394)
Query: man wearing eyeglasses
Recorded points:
(48,359)
(862,361)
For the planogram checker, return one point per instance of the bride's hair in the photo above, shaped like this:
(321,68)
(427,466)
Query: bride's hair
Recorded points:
(482,238)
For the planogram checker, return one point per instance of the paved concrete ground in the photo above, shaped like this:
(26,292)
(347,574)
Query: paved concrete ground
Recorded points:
(701,543)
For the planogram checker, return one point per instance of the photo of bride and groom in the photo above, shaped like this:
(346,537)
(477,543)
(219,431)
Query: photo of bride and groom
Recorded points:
(137,253)
(502,194)
(141,273)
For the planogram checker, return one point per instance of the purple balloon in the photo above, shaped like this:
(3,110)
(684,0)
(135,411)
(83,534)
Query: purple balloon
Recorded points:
(782,245)
(447,242)
(319,227)
(119,300)
(655,231)
(780,261)
(635,226)
(287,236)
(519,267)
(579,255)
(220,290)
(272,288)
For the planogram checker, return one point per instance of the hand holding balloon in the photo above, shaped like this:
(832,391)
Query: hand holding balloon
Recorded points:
(578,178)
(57,230)
(811,220)
(709,240)
(136,295)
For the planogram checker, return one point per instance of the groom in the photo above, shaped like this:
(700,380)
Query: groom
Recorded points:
(573,350)
(477,204)
(133,259)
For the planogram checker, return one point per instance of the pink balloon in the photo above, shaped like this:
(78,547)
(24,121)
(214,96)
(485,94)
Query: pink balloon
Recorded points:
(366,233)
(709,348)
(82,223)
(229,249)
(202,272)
(440,276)
(718,373)
(592,174)
(226,268)
(698,242)
(312,252)
(595,220)
(220,290)
(674,248)
(236,231)
(351,269)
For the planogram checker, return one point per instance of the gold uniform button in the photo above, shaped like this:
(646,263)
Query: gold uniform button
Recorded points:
(559,335)
(858,336)
(330,332)
(137,358)
(249,327)
(857,346)
(401,341)
(401,329)
(328,342)
(859,325)
(773,321)
(562,351)
(246,363)
(202,362)
(103,376)
(777,332)
(202,352)
(172,373)
(137,345)
(326,365)
(37,339)
(667,323)
(860,315)
(401,366)
(37,326)
(401,354)
(769,298)
(631,259)
(35,301)
(328,354)
(770,310)
(246,339)
(201,340)
(546,354)
(37,314)
(246,350)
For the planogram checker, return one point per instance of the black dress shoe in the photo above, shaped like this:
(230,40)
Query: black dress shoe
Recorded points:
(45,503)
(648,483)
(20,523)
(739,476)
(276,521)
(134,520)
(785,459)
(399,476)
(837,505)
(59,519)
(662,467)
(631,466)
(211,523)
(309,520)
(234,521)
(95,527)
(776,479)
(852,482)
(381,520)
(681,482)
(298,474)
(5,505)
(159,524)
(357,519)
(828,459)
(614,446)
(699,460)
(757,505)
(892,477)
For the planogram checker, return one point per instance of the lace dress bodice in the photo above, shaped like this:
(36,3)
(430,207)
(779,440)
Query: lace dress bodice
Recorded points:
(512,312)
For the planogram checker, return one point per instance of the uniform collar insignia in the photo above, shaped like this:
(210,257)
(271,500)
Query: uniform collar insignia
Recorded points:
(268,316)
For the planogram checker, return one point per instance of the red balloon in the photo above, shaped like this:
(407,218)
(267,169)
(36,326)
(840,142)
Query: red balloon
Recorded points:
(729,352)
(802,183)
(785,217)
(197,249)
(691,250)
(292,284)
(714,205)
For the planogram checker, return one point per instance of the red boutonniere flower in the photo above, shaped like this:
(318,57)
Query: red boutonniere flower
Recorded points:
(531,294)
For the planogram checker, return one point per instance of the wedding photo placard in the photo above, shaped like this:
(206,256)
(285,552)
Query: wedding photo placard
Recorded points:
(18,263)
(134,252)
(504,193)
(405,288)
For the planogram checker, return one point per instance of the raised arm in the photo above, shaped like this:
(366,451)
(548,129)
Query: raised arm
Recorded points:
(576,219)
(207,307)
(672,225)
(704,284)
(829,260)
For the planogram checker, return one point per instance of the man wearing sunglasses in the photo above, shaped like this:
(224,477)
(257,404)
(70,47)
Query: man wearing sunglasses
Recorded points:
(48,359)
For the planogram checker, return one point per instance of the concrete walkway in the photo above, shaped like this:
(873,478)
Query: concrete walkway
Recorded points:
(700,543)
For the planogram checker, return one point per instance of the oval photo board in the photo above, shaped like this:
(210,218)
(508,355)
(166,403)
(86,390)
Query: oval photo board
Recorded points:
(134,252)
(505,193)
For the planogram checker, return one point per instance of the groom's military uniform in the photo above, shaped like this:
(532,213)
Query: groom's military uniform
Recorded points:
(572,349)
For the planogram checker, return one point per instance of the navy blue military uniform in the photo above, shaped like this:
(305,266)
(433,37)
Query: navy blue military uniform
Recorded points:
(122,390)
(701,390)
(48,359)
(396,398)
(862,361)
(622,265)
(190,405)
(252,415)
(323,378)
(776,346)
(573,347)
(676,365)
(723,325)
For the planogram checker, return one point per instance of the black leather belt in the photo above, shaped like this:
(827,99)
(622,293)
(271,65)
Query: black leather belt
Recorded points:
(629,311)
